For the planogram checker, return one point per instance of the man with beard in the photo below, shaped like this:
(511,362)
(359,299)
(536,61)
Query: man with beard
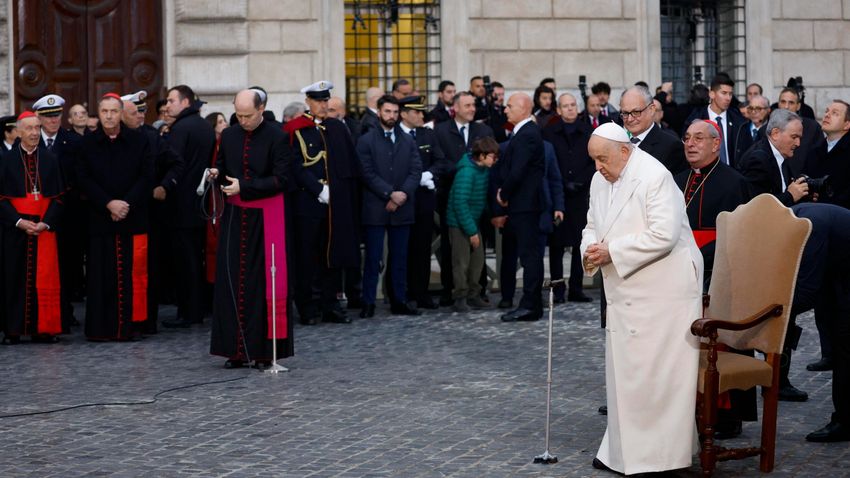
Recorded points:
(31,189)
(251,170)
(326,206)
(193,139)
(115,172)
(391,173)
(443,111)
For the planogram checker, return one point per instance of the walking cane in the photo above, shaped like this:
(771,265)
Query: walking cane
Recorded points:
(547,458)
(275,368)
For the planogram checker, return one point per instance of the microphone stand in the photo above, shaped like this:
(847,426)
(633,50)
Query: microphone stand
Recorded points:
(275,367)
(546,458)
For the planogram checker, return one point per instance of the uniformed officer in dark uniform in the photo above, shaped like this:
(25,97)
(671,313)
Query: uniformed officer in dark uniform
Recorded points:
(71,233)
(325,204)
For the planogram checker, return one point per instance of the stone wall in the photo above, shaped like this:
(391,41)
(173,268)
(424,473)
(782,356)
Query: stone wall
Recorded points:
(812,39)
(5,60)
(221,46)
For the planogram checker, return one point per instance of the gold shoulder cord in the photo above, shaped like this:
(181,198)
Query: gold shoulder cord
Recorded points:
(308,160)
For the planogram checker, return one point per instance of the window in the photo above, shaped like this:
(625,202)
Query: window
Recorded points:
(699,39)
(389,40)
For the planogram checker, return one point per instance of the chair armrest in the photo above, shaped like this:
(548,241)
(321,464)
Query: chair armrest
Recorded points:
(707,327)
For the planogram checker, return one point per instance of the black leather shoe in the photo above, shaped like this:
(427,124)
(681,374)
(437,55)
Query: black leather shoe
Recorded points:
(521,315)
(580,297)
(310,320)
(821,365)
(262,364)
(603,410)
(446,301)
(404,309)
(368,311)
(505,304)
(176,324)
(559,300)
(790,393)
(833,432)
(725,430)
(234,364)
(426,303)
(44,339)
(336,316)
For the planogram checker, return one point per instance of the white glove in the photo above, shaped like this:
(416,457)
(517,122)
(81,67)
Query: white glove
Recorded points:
(430,184)
(325,195)
(426,178)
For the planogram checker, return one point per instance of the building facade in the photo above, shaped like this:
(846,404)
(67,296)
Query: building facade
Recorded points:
(220,46)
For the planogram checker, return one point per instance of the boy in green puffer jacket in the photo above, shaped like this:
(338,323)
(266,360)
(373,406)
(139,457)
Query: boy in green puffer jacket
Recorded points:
(467,200)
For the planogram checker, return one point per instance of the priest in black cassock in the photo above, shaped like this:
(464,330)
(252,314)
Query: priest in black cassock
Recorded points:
(251,276)
(115,171)
(326,197)
(31,189)
(710,187)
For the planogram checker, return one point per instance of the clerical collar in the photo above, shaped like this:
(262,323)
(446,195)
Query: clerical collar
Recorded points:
(521,124)
(707,168)
(27,151)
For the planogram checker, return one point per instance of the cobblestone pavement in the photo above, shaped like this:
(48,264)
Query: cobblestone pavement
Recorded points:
(438,395)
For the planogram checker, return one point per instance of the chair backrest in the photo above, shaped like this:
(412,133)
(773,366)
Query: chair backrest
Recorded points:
(758,252)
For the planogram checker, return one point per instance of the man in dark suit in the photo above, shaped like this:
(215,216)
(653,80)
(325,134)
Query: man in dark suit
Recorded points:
(592,113)
(602,90)
(758,111)
(812,133)
(454,139)
(369,119)
(520,192)
(720,94)
(433,168)
(569,137)
(72,233)
(766,165)
(442,110)
(824,280)
(831,157)
(391,174)
(638,111)
(336,109)
(193,139)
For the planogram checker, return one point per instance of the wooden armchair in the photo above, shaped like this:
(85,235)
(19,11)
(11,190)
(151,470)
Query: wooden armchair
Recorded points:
(759,246)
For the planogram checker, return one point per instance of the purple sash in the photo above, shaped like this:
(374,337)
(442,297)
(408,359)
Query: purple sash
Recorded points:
(274,233)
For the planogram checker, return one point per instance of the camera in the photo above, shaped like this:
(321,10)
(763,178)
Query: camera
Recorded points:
(820,186)
(488,87)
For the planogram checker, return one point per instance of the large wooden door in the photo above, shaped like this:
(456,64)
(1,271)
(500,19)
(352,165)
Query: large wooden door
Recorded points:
(81,49)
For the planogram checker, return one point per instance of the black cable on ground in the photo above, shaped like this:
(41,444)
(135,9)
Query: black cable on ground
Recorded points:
(125,404)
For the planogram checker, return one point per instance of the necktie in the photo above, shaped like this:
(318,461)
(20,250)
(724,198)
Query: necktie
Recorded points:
(388,135)
(413,133)
(696,181)
(595,123)
(723,157)
(452,113)
(50,143)
(604,111)
(463,134)
(635,140)
(755,132)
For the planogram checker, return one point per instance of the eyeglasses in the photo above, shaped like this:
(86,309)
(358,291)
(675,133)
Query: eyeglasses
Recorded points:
(755,108)
(697,138)
(635,114)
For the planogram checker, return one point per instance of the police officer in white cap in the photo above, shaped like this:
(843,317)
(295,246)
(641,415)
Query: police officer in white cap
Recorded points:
(71,233)
(326,206)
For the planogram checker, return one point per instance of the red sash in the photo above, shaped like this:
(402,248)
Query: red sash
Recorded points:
(703,237)
(274,232)
(47,285)
(140,278)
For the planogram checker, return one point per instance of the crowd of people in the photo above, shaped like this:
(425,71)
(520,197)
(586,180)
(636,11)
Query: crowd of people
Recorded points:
(290,219)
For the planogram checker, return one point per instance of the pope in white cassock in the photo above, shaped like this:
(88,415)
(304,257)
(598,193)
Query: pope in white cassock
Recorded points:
(638,235)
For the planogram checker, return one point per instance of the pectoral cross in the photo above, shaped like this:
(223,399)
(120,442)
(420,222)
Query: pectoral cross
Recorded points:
(35,193)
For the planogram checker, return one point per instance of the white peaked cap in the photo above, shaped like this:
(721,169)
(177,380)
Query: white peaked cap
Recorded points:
(612,131)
